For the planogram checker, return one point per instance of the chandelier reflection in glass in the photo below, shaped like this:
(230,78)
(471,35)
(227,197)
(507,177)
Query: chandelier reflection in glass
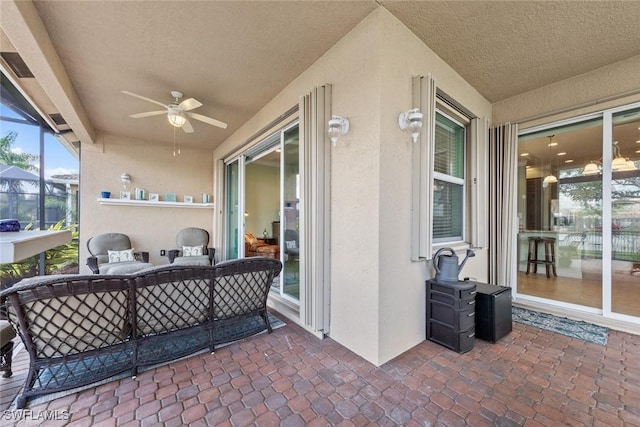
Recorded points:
(618,164)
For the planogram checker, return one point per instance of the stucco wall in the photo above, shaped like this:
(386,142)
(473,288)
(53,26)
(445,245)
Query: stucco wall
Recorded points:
(352,67)
(157,171)
(608,87)
(377,293)
(402,282)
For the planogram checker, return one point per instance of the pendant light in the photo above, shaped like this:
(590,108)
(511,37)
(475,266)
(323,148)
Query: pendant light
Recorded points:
(551,178)
(618,164)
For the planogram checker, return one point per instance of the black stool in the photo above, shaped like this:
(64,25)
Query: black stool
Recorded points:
(549,254)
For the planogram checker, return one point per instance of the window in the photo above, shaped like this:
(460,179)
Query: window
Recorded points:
(449,187)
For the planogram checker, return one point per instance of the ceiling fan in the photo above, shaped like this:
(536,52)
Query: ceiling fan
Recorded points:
(178,112)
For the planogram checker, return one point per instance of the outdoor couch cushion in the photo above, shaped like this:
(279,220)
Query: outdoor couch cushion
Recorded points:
(127,267)
(192,260)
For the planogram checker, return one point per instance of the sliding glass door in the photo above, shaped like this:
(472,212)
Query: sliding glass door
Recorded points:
(559,201)
(625,214)
(233,226)
(291,213)
(579,190)
(263,205)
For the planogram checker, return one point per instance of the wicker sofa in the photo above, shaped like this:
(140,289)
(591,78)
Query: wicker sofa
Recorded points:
(79,330)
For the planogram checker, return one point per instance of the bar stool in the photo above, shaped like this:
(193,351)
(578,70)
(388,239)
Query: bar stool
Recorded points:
(549,254)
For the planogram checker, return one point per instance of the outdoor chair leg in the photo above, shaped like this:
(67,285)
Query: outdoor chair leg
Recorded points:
(6,356)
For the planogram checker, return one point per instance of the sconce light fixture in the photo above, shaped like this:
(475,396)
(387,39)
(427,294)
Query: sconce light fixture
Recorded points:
(337,126)
(126,180)
(411,121)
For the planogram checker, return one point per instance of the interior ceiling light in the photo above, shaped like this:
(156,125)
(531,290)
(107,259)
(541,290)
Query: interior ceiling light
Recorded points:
(551,178)
(618,164)
(591,168)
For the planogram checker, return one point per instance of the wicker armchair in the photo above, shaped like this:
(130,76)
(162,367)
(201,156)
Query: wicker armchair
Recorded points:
(192,244)
(106,250)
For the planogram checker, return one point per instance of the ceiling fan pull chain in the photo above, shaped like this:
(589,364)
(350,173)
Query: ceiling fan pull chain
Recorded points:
(174,142)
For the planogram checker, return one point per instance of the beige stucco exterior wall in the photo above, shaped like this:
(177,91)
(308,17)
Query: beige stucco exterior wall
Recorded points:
(157,171)
(608,87)
(402,282)
(377,293)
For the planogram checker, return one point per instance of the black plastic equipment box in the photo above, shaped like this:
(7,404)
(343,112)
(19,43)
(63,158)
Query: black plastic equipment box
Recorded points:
(493,311)
(451,314)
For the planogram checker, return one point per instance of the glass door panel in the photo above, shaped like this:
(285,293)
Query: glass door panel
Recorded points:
(569,211)
(625,214)
(290,229)
(232,214)
(262,173)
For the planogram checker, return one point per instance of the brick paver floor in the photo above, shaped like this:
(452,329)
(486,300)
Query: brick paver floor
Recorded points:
(289,378)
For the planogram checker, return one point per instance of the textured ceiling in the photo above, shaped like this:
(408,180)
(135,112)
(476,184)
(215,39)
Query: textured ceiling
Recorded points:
(234,56)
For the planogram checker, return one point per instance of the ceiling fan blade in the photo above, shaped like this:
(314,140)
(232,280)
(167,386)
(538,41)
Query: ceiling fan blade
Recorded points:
(186,127)
(143,97)
(148,114)
(208,120)
(190,104)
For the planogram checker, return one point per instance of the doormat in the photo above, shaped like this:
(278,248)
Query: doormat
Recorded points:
(561,325)
(36,400)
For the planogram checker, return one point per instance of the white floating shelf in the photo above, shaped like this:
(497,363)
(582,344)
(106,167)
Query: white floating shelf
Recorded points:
(160,204)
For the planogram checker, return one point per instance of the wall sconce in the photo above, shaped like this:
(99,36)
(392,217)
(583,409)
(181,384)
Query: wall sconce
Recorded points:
(411,121)
(337,126)
(126,180)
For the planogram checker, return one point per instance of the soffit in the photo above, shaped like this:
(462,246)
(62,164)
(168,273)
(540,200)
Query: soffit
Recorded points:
(232,56)
(236,56)
(505,48)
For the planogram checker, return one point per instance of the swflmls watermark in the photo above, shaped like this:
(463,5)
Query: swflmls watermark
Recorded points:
(31,415)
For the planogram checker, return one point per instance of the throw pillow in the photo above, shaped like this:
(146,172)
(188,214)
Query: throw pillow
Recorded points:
(291,244)
(250,238)
(121,256)
(192,251)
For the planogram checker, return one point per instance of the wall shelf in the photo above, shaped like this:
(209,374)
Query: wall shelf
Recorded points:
(160,204)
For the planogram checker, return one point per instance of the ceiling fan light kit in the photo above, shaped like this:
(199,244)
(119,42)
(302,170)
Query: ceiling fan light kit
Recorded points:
(176,118)
(177,112)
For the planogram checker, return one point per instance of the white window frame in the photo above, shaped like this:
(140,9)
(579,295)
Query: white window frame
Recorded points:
(463,122)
